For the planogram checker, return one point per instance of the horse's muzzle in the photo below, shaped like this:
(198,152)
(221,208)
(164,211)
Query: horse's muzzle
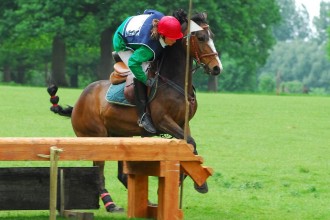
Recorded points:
(216,70)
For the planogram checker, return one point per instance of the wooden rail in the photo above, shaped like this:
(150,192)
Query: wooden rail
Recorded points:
(143,157)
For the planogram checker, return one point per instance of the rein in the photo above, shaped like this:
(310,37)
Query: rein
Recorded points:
(170,82)
(197,57)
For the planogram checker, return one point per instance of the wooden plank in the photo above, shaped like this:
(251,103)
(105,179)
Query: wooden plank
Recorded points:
(148,168)
(168,192)
(197,172)
(152,212)
(137,196)
(115,149)
(28,188)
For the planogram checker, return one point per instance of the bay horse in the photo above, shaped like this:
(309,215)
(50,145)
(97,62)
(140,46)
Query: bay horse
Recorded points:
(93,116)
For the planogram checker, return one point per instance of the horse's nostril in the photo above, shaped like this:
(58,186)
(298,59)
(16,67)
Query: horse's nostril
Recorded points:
(216,70)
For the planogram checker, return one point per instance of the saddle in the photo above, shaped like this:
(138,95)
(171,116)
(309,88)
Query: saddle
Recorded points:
(122,74)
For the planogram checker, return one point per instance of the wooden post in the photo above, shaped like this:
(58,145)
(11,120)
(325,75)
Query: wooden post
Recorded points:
(168,192)
(168,189)
(62,192)
(137,196)
(54,155)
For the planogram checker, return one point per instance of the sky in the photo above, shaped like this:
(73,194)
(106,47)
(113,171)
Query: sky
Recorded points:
(312,6)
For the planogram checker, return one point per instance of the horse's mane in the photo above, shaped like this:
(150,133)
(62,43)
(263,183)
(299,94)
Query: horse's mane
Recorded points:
(182,17)
(199,18)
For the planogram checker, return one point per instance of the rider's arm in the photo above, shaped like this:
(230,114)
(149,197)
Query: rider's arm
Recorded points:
(117,41)
(140,55)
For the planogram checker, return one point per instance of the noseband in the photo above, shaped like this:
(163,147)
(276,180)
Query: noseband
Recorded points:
(195,49)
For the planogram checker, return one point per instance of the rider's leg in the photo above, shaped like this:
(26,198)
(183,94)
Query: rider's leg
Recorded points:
(116,57)
(140,91)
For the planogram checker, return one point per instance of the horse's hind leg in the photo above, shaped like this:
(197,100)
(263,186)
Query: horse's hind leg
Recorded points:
(120,175)
(104,194)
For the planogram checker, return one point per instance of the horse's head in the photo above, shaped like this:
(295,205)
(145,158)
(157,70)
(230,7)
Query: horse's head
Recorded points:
(201,44)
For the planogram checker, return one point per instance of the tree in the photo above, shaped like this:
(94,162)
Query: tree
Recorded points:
(76,24)
(246,39)
(299,61)
(294,22)
(322,23)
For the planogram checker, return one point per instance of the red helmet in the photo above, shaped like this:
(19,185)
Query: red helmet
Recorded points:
(170,27)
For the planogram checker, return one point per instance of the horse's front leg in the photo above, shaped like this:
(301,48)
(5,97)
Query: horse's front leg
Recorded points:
(170,127)
(104,194)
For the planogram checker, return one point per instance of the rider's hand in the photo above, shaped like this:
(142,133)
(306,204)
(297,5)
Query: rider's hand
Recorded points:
(150,82)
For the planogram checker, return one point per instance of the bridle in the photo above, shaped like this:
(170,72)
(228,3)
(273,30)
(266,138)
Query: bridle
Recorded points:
(195,48)
(198,56)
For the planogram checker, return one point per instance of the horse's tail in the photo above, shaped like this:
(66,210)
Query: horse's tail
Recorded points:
(54,99)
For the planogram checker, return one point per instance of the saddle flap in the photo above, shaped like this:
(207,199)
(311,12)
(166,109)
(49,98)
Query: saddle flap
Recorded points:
(121,68)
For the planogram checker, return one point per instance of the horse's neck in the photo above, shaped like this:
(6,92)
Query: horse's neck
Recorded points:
(174,65)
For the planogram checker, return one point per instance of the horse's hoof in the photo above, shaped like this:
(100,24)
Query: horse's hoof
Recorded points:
(152,204)
(115,209)
(201,189)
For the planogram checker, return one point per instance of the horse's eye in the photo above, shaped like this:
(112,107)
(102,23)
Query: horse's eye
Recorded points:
(201,38)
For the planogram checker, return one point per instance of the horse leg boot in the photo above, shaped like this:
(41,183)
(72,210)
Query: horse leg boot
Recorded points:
(140,92)
(204,187)
(109,205)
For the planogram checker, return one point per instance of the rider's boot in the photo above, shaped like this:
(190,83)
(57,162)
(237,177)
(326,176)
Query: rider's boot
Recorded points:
(140,91)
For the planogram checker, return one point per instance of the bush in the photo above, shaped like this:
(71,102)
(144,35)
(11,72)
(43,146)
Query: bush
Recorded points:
(266,83)
(292,87)
(318,91)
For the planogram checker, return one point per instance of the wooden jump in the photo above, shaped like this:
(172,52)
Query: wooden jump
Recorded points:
(143,157)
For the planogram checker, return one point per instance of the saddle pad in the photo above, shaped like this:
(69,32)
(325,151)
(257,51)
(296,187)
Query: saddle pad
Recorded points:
(115,95)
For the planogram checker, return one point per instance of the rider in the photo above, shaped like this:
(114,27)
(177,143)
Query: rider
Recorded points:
(140,39)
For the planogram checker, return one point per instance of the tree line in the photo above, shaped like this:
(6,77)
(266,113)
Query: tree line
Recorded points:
(70,42)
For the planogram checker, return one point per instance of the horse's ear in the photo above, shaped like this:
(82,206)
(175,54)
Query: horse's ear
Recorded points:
(205,15)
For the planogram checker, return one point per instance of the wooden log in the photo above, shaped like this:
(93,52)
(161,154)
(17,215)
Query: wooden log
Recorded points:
(115,149)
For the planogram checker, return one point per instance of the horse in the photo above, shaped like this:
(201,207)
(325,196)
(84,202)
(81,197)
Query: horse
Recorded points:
(93,116)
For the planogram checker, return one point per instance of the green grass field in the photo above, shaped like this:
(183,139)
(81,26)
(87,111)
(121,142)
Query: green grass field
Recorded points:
(270,154)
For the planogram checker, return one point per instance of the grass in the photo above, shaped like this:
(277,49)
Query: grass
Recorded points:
(270,154)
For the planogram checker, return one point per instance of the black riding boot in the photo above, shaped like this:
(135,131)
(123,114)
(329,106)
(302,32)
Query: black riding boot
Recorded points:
(140,91)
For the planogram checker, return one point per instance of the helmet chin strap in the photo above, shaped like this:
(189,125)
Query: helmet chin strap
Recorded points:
(162,41)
